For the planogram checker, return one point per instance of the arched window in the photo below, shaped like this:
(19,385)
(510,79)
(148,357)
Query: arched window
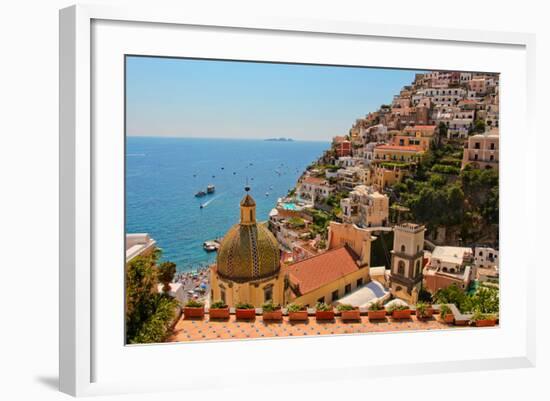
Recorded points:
(403,248)
(417,268)
(401,268)
(268,293)
(444,270)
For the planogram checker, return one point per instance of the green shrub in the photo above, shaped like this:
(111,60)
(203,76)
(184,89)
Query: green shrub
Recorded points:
(218,305)
(295,307)
(444,310)
(376,306)
(244,305)
(396,307)
(270,307)
(345,307)
(421,309)
(323,307)
(193,303)
(478,315)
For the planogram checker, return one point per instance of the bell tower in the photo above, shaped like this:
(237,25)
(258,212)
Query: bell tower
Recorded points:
(406,261)
(248,208)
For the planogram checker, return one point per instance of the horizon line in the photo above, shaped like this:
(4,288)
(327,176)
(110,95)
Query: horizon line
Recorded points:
(232,138)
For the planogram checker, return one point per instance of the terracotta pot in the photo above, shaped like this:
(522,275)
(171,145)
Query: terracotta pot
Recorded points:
(297,316)
(485,323)
(376,314)
(324,315)
(449,318)
(191,312)
(428,313)
(353,314)
(245,314)
(219,313)
(401,314)
(276,315)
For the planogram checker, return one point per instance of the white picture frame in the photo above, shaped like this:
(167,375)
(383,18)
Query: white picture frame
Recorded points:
(80,207)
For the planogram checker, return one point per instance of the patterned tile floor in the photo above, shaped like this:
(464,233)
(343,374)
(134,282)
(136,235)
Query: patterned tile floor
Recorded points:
(203,330)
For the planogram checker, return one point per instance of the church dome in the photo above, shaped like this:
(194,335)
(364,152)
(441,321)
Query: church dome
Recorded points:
(248,251)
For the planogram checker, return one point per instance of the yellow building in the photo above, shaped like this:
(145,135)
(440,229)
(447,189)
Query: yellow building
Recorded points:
(386,177)
(408,153)
(248,268)
(331,275)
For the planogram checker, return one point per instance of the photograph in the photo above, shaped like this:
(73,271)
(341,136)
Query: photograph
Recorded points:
(272,200)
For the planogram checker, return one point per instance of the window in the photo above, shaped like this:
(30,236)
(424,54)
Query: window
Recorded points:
(492,158)
(401,268)
(359,282)
(492,146)
(477,145)
(347,290)
(417,268)
(321,300)
(268,294)
(335,295)
(403,248)
(222,296)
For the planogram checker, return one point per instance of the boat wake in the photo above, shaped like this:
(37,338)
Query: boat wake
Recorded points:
(210,201)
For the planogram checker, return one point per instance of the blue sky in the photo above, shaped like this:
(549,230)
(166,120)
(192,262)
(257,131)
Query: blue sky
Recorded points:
(228,99)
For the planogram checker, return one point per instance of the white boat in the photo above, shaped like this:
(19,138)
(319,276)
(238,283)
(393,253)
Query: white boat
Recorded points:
(210,189)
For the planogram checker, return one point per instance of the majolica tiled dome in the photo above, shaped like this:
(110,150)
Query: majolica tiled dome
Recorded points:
(248,250)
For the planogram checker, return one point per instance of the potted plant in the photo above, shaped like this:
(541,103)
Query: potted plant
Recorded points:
(446,314)
(324,311)
(296,312)
(219,310)
(271,312)
(193,309)
(349,312)
(479,319)
(245,311)
(399,311)
(423,311)
(376,311)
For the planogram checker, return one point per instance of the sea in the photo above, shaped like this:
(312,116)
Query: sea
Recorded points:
(163,174)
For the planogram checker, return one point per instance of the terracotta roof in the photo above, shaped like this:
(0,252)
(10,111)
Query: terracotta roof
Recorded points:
(322,269)
(409,148)
(420,127)
(315,180)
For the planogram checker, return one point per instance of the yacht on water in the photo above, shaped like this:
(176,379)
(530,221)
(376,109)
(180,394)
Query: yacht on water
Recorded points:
(200,194)
(210,189)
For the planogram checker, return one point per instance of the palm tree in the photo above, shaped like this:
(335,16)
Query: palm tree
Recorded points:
(166,273)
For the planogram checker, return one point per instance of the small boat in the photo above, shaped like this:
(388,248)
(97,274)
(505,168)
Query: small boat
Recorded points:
(267,194)
(202,206)
(234,172)
(210,189)
(213,176)
(210,246)
(200,194)
(223,168)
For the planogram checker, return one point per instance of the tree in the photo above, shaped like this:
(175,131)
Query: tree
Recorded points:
(479,126)
(166,273)
(148,313)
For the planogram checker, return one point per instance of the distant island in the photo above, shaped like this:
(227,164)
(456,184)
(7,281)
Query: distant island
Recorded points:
(280,139)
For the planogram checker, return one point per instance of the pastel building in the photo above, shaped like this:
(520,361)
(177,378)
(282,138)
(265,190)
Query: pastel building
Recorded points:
(481,151)
(313,188)
(449,265)
(365,207)
(410,154)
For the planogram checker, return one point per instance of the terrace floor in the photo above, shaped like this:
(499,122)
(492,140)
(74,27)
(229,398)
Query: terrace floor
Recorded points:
(204,330)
